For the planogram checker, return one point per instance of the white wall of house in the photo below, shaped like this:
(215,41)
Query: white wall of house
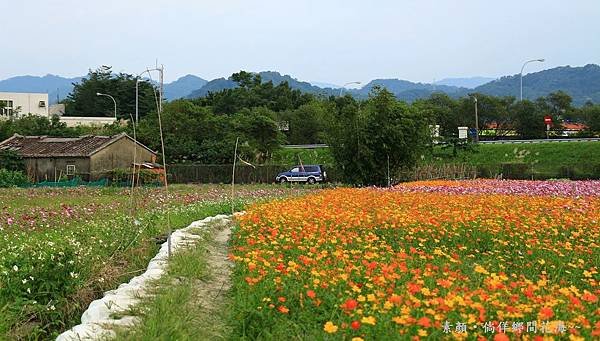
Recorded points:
(72,121)
(24,103)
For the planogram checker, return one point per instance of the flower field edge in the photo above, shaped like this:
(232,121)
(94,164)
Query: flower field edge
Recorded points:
(389,264)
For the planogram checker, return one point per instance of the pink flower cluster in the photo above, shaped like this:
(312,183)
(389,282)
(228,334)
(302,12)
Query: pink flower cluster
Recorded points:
(522,187)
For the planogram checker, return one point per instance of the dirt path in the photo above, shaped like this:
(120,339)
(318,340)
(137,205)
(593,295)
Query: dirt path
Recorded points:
(210,294)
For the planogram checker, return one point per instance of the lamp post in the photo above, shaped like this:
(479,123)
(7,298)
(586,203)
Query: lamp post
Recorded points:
(111,97)
(137,91)
(527,62)
(344,86)
(476,122)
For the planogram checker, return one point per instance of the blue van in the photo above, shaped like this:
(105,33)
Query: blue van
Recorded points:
(310,174)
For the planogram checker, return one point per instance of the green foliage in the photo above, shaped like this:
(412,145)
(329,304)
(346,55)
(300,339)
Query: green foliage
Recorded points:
(34,125)
(11,160)
(119,176)
(590,114)
(252,93)
(83,101)
(306,123)
(363,141)
(12,178)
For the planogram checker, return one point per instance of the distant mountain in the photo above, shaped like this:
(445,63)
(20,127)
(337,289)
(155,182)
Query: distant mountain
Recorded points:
(183,87)
(468,82)
(326,85)
(215,85)
(581,83)
(55,86)
(408,91)
(266,76)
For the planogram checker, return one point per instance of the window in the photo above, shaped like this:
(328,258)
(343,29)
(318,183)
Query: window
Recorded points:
(6,107)
(70,169)
(295,170)
(42,104)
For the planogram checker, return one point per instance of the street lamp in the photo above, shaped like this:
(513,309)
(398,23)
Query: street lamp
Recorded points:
(111,97)
(527,62)
(137,91)
(344,86)
(476,122)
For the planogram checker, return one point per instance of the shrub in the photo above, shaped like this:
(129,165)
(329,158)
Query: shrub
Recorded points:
(11,178)
(516,170)
(10,160)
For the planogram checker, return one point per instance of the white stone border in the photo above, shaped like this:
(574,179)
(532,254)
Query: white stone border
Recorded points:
(98,316)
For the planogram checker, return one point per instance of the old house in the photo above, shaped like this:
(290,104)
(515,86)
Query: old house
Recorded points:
(89,157)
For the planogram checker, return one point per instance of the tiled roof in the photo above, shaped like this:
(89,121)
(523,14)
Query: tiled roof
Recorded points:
(43,146)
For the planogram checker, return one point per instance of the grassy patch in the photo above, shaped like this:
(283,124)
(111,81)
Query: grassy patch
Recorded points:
(569,159)
(175,311)
(577,160)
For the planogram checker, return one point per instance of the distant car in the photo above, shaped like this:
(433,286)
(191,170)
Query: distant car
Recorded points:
(310,174)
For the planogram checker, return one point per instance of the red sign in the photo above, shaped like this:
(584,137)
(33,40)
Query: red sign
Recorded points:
(548,119)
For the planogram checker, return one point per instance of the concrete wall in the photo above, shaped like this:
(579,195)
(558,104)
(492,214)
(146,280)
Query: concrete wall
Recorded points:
(51,169)
(117,155)
(28,102)
(72,121)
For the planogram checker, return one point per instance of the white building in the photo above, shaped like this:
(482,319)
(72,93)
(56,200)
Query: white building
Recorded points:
(23,103)
(18,104)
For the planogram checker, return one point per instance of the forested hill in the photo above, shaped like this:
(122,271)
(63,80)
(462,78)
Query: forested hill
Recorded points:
(581,83)
(266,76)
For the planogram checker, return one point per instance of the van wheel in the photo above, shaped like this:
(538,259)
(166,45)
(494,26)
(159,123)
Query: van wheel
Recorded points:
(283,180)
(311,181)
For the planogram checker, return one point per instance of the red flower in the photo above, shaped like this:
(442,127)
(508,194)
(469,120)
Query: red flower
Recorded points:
(424,322)
(355,325)
(311,294)
(546,313)
(350,304)
(501,337)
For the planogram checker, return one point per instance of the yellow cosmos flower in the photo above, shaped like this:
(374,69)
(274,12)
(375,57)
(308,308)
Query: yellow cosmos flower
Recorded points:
(480,269)
(369,320)
(330,327)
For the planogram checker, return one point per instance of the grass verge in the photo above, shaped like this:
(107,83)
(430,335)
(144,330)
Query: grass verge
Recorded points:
(188,302)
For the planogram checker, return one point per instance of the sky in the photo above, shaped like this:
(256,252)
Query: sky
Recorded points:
(326,41)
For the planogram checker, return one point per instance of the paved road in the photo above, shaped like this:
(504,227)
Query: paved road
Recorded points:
(541,141)
(314,146)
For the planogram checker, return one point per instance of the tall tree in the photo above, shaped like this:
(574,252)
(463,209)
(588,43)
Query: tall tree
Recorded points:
(383,132)
(83,101)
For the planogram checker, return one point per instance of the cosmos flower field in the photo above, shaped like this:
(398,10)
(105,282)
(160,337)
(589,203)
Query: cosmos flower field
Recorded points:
(62,248)
(480,259)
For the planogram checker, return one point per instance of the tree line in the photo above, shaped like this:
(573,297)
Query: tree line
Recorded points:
(367,137)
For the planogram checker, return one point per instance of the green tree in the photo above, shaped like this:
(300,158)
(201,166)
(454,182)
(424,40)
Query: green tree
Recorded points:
(181,122)
(306,124)
(83,100)
(383,130)
(35,125)
(11,161)
(590,116)
(259,130)
(529,119)
(252,92)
